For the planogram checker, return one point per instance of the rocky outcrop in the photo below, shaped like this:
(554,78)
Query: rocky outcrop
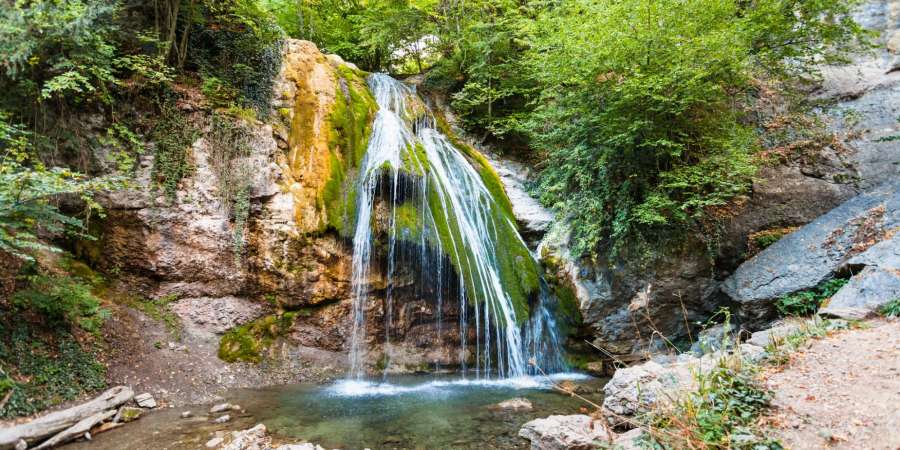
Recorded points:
(814,253)
(872,287)
(533,218)
(637,390)
(866,97)
(575,432)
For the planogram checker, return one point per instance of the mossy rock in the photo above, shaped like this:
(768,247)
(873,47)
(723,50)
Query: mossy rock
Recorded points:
(249,342)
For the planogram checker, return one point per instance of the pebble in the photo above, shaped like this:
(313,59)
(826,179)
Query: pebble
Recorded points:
(145,400)
(222,419)
(186,414)
(221,407)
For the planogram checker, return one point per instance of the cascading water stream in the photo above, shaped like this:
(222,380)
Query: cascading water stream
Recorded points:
(457,218)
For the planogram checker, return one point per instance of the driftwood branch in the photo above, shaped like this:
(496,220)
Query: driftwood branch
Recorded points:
(51,424)
(83,426)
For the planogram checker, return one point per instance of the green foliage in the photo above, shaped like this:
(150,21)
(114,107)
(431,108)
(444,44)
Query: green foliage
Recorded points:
(807,302)
(173,135)
(722,413)
(57,48)
(229,141)
(29,193)
(376,34)
(237,45)
(43,367)
(891,308)
(62,300)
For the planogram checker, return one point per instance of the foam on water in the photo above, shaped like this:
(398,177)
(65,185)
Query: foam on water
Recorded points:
(360,388)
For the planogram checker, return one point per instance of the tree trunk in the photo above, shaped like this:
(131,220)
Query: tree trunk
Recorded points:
(55,422)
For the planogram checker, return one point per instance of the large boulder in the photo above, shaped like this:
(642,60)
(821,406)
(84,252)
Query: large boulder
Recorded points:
(877,283)
(574,432)
(635,390)
(814,253)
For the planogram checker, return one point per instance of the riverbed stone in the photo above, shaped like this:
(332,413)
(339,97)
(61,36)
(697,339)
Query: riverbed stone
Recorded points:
(221,407)
(573,432)
(515,404)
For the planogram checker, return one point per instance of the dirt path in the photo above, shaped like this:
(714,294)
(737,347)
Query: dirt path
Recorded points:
(843,392)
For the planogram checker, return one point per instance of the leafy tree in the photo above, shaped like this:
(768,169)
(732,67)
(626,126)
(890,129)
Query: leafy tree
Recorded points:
(30,193)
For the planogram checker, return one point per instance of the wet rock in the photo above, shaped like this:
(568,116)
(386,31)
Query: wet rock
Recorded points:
(221,407)
(214,442)
(574,432)
(186,414)
(815,252)
(21,445)
(596,368)
(534,218)
(255,438)
(515,404)
(145,400)
(222,419)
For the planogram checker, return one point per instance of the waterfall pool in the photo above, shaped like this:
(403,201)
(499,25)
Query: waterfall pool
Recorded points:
(412,412)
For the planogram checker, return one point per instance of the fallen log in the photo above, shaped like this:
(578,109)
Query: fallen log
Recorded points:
(50,424)
(83,426)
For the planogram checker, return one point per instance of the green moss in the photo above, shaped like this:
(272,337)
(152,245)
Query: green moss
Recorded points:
(409,222)
(568,304)
(248,342)
(158,310)
(350,124)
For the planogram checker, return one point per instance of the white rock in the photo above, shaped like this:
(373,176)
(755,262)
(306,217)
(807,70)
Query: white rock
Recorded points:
(634,390)
(214,442)
(629,440)
(186,414)
(222,419)
(145,400)
(773,335)
(574,432)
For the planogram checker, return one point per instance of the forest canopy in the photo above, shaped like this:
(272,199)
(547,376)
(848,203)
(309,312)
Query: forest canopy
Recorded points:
(639,115)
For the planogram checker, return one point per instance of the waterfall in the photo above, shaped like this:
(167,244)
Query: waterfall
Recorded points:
(442,208)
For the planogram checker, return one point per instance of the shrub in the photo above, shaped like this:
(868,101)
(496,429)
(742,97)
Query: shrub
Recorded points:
(62,300)
(237,43)
(807,302)
(891,308)
(721,414)
(46,366)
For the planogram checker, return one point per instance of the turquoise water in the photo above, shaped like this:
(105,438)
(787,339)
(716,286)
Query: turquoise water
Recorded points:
(416,412)
(409,413)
